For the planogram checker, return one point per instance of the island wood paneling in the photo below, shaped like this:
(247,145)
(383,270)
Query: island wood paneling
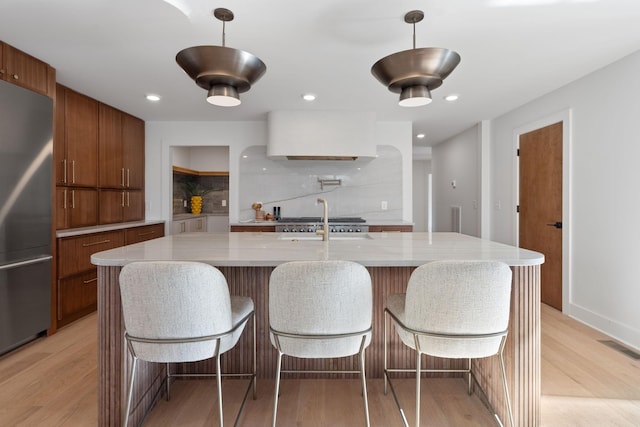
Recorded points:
(522,353)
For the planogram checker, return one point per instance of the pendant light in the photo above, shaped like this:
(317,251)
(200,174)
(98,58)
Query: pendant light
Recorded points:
(223,72)
(415,73)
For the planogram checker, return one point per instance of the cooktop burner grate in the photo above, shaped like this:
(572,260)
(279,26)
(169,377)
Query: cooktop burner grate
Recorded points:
(316,219)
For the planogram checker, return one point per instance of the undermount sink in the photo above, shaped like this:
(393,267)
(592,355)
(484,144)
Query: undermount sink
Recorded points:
(310,236)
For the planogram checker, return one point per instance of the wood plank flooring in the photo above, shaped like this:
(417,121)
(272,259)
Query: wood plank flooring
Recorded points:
(52,382)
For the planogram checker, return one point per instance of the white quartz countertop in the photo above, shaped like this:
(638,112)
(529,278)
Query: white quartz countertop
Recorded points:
(254,249)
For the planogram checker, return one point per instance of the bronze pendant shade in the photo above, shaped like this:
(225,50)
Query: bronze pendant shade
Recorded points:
(415,73)
(222,71)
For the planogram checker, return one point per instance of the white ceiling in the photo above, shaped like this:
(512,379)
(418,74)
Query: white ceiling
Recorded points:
(512,51)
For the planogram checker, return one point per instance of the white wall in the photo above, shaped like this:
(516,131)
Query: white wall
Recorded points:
(603,205)
(181,157)
(421,171)
(209,158)
(457,160)
(238,136)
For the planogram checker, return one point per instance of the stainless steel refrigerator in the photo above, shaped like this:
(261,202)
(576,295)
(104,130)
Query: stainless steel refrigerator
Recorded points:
(26,149)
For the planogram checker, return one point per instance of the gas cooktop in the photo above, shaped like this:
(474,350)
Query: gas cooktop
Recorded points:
(316,219)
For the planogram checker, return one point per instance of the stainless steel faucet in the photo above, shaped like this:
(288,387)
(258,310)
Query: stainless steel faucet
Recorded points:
(325,219)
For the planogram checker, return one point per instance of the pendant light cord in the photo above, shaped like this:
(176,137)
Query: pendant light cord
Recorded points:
(414,34)
(224,34)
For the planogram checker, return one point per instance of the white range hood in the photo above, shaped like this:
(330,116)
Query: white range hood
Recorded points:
(321,135)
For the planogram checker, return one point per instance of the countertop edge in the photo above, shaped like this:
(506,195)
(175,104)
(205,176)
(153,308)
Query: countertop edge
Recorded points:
(71,232)
(268,250)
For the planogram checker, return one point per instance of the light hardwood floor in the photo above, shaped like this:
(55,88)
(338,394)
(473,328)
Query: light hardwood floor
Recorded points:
(52,382)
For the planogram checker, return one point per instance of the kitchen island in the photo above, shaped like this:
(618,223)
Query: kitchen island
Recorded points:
(247,259)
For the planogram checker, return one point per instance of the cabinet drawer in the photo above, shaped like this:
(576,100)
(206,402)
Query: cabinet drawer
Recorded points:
(74,253)
(141,234)
(77,296)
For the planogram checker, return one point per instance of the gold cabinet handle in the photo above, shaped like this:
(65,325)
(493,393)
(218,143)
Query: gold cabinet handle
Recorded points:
(123,199)
(85,245)
(64,197)
(64,171)
(146,234)
(86,282)
(73,199)
(15,76)
(128,199)
(122,177)
(128,177)
(73,171)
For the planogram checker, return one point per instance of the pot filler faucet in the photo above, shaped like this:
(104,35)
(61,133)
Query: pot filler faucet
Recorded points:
(325,219)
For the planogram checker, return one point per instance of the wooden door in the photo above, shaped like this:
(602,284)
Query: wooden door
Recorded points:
(111,172)
(81,128)
(25,70)
(133,206)
(540,206)
(59,154)
(111,206)
(133,151)
(82,207)
(61,208)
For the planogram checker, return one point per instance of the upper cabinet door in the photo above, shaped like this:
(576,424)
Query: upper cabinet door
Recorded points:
(133,151)
(111,172)
(59,149)
(26,71)
(81,137)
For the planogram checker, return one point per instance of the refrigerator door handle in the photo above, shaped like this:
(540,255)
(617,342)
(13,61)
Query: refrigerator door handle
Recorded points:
(26,262)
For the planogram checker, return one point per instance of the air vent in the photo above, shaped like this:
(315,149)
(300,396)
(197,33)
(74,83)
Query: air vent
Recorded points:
(622,349)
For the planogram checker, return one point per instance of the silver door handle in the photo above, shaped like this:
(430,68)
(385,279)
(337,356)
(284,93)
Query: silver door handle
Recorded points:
(27,262)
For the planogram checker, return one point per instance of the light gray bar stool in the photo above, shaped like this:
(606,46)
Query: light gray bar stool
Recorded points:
(176,312)
(455,310)
(320,309)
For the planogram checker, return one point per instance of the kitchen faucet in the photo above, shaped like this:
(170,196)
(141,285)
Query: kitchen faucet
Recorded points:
(325,219)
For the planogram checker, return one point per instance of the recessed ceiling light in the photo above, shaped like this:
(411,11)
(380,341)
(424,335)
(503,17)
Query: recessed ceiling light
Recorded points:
(152,97)
(420,135)
(309,97)
(451,98)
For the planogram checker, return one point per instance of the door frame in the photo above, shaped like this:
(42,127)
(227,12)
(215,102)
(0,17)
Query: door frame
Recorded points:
(563,116)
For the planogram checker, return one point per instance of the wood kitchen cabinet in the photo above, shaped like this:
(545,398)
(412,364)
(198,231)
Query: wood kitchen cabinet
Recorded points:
(77,152)
(76,291)
(142,234)
(133,150)
(76,284)
(111,173)
(98,155)
(24,70)
(120,149)
(76,207)
(120,206)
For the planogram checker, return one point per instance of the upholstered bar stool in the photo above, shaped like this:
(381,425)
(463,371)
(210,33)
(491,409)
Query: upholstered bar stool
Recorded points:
(177,312)
(320,309)
(455,310)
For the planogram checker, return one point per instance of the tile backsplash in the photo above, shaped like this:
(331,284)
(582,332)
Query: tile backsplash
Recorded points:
(295,185)
(211,202)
